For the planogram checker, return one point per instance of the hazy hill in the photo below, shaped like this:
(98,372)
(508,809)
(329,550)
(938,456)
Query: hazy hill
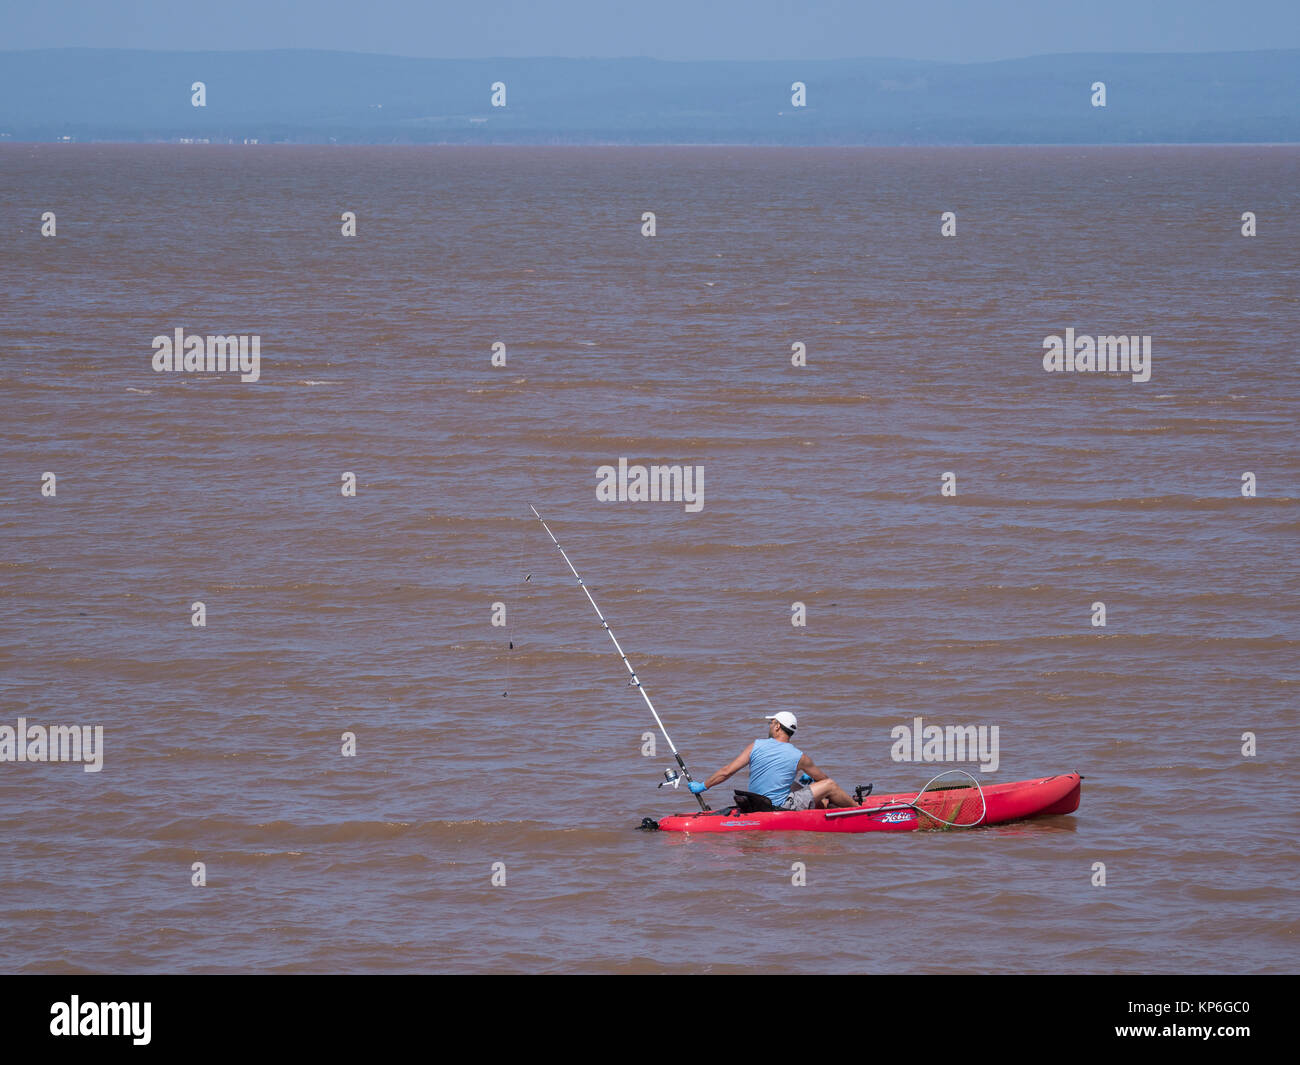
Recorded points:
(90,94)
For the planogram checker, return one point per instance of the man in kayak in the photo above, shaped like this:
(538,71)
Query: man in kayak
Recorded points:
(774,764)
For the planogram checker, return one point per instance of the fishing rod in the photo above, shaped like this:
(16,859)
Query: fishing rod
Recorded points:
(636,681)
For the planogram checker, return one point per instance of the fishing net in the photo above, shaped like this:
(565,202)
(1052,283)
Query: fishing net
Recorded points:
(948,803)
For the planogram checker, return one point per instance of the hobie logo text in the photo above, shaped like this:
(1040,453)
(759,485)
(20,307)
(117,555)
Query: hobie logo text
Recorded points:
(1085,354)
(653,484)
(956,743)
(102,1018)
(208,354)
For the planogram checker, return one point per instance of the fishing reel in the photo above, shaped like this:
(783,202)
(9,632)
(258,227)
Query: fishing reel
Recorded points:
(671,776)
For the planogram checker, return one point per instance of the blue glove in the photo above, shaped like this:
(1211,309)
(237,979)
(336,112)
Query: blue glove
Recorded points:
(805,779)
(697,787)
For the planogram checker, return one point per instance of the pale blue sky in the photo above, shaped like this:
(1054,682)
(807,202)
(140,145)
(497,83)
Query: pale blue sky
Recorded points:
(954,30)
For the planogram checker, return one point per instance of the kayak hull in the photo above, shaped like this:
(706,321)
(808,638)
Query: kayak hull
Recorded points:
(1004,802)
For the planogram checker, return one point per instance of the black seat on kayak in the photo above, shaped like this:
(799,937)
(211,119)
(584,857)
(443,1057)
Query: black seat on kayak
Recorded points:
(748,802)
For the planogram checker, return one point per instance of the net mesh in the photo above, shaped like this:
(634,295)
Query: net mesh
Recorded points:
(948,803)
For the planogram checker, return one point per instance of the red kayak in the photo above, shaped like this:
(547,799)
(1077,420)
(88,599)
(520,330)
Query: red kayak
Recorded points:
(959,806)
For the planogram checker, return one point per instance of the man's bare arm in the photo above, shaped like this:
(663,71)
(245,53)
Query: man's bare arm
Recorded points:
(734,766)
(806,766)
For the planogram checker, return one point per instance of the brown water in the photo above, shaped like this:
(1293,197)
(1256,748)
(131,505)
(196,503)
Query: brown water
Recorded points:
(372,614)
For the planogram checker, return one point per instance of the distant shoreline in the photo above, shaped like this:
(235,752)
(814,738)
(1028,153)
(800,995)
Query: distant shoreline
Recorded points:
(309,97)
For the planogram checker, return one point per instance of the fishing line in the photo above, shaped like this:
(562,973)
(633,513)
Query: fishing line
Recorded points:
(511,609)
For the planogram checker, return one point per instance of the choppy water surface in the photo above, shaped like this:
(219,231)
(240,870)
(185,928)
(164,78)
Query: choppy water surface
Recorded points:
(372,614)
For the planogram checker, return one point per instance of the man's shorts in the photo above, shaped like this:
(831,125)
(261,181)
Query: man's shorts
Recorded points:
(798,799)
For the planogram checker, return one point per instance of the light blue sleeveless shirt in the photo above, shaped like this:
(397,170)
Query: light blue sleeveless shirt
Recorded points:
(772,768)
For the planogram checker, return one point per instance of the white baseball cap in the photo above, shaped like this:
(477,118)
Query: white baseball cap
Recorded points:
(785,719)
